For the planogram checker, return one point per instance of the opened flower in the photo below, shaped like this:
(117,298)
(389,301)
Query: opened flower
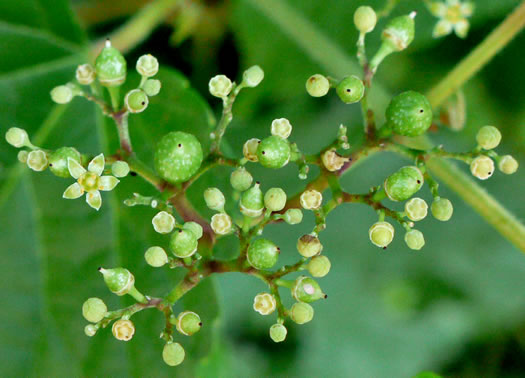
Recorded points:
(453,15)
(90,181)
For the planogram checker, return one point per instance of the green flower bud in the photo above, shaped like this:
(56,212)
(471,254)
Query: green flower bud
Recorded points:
(156,257)
(147,65)
(252,203)
(90,330)
(123,329)
(311,199)
(508,164)
(262,254)
(183,243)
(274,152)
(319,266)
(163,222)
(309,245)
(404,183)
(120,168)
(381,234)
(488,137)
(307,290)
(37,160)
(350,90)
(281,127)
(253,76)
(188,323)
(409,114)
(264,303)
(301,312)
(221,224)
(152,87)
(482,167)
(17,137)
(293,216)
(58,161)
(214,199)
(249,149)
(332,161)
(173,354)
(241,179)
(62,94)
(399,32)
(110,66)
(442,209)
(416,209)
(119,280)
(178,156)
(317,85)
(22,156)
(136,101)
(365,19)
(414,239)
(193,227)
(278,332)
(220,86)
(275,199)
(94,310)
(85,74)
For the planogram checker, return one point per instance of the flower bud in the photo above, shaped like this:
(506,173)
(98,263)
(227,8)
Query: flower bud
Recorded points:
(147,65)
(264,303)
(275,199)
(482,167)
(183,243)
(193,227)
(85,74)
(508,164)
(22,156)
(311,199)
(221,224)
(249,149)
(123,329)
(399,32)
(119,280)
(293,216)
(365,19)
(252,203)
(404,183)
(442,209)
(409,114)
(307,290)
(262,254)
(317,85)
(188,323)
(381,234)
(163,222)
(94,310)
(110,66)
(173,354)
(214,199)
(416,209)
(62,94)
(90,330)
(414,239)
(350,90)
(58,161)
(241,179)
(301,313)
(17,137)
(309,245)
(37,160)
(274,152)
(488,137)
(332,161)
(253,76)
(281,127)
(319,266)
(136,101)
(120,169)
(220,86)
(156,257)
(152,87)
(278,332)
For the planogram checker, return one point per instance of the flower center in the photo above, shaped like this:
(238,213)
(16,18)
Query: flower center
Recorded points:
(89,181)
(454,14)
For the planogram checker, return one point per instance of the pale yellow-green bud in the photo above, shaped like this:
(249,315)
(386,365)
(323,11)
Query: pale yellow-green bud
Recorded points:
(416,209)
(123,329)
(381,234)
(264,303)
(482,167)
(311,199)
(508,164)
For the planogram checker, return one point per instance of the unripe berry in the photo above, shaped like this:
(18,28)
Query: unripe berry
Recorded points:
(22,156)
(409,114)
(136,101)
(253,76)
(262,254)
(275,199)
(293,216)
(119,280)
(317,85)
(147,65)
(123,329)
(90,330)
(62,94)
(94,310)
(183,243)
(508,164)
(188,323)
(350,90)
(488,137)
(301,313)
(17,137)
(404,183)
(156,257)
(309,245)
(214,199)
(220,86)
(173,354)
(319,266)
(365,19)
(332,161)
(252,203)
(163,222)
(307,290)
(274,152)
(85,74)
(482,167)
(241,179)
(414,239)
(381,234)
(110,66)
(442,209)
(193,227)
(178,156)
(264,303)
(37,160)
(221,224)
(416,209)
(399,32)
(311,199)
(152,87)
(281,127)
(58,161)
(278,332)
(120,168)
(249,149)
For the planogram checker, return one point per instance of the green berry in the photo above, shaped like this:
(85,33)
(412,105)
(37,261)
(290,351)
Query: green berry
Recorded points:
(253,76)
(249,149)
(183,243)
(399,32)
(152,87)
(37,160)
(416,209)
(156,257)
(85,74)
(147,65)
(414,239)
(173,354)
(110,66)
(350,90)
(275,199)
(317,85)
(119,280)
(120,168)
(319,266)
(262,254)
(301,312)
(214,199)
(442,209)
(309,245)
(281,127)
(404,183)
(278,332)
(488,137)
(163,222)
(22,156)
(365,19)
(482,167)
(274,152)
(293,216)
(508,165)
(241,179)
(178,156)
(188,323)
(90,330)
(94,310)
(307,290)
(220,86)
(409,114)
(136,101)
(221,224)
(62,94)
(58,161)
(264,303)
(252,203)
(193,227)
(381,234)
(17,137)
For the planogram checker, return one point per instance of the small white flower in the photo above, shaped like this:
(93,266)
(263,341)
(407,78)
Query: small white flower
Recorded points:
(264,303)
(220,86)
(452,15)
(163,222)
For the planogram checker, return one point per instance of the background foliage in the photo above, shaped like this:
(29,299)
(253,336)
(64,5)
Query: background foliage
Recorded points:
(456,307)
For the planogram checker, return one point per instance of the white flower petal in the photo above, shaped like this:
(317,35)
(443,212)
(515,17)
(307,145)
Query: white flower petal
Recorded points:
(461,28)
(438,9)
(442,28)
(451,3)
(97,165)
(94,199)
(73,191)
(75,169)
(467,9)
(108,183)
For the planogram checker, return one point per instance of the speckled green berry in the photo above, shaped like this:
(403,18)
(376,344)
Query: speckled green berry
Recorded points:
(58,160)
(409,114)
(350,90)
(183,243)
(293,216)
(442,209)
(317,85)
(415,239)
(188,323)
(309,245)
(94,310)
(488,137)
(404,183)
(301,312)
(262,254)
(278,332)
(156,257)
(399,32)
(110,66)
(274,152)
(173,354)
(319,266)
(178,156)
(119,280)
(152,87)
(193,227)
(252,202)
(307,290)
(136,101)
(275,199)
(241,179)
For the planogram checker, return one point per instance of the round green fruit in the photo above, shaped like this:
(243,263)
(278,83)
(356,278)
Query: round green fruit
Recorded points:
(262,254)
(404,183)
(58,161)
(350,90)
(409,114)
(274,152)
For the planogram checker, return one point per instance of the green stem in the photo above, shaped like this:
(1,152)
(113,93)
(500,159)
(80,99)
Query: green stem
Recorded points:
(139,297)
(114,94)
